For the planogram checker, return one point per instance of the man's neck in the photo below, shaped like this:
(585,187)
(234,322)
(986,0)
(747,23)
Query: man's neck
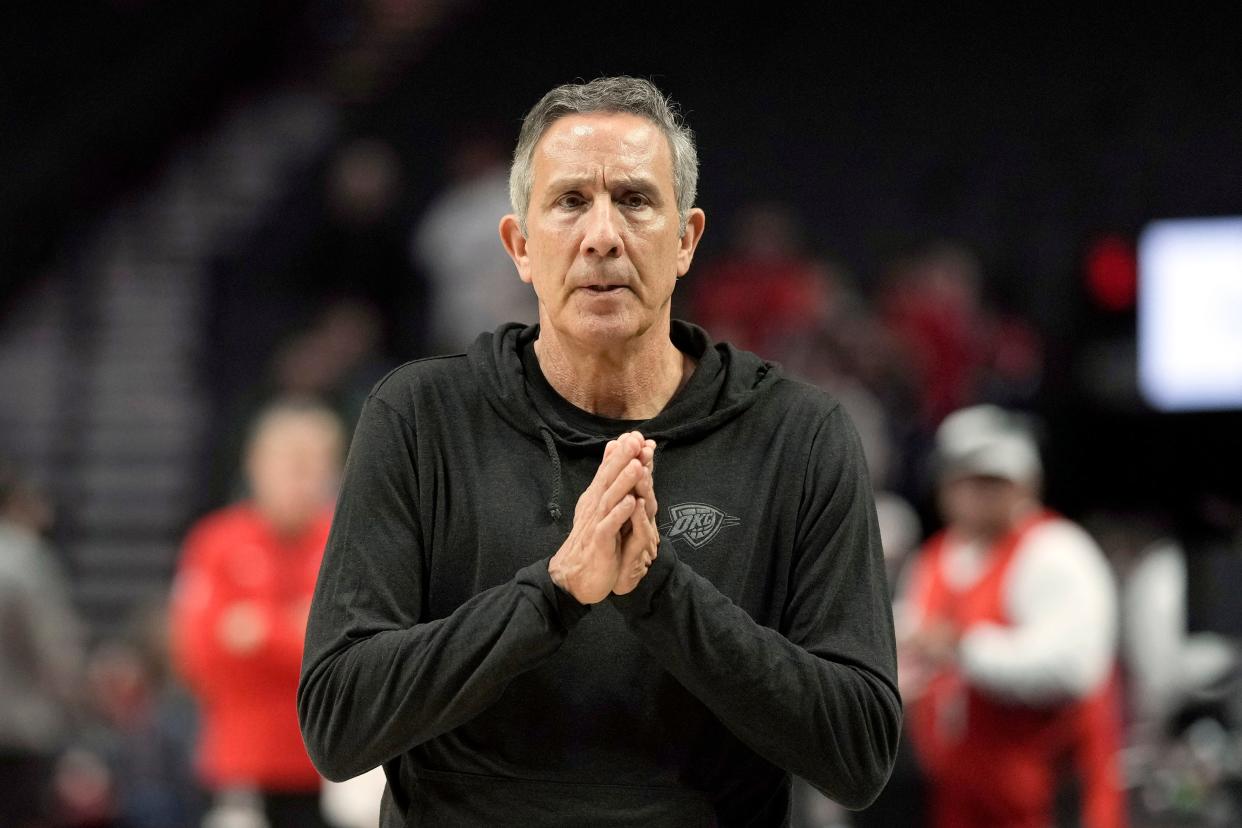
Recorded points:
(633,381)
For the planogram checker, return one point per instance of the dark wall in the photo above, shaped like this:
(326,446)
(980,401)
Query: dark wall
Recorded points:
(94,93)
(1024,135)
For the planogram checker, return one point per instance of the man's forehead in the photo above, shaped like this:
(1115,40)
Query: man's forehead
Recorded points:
(628,127)
(579,141)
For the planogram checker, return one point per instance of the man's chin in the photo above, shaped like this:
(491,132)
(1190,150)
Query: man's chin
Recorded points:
(603,330)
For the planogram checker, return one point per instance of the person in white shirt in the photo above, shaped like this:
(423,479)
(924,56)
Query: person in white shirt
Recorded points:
(1007,637)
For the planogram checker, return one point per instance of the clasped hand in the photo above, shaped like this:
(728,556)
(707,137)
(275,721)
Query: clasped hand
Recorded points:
(614,538)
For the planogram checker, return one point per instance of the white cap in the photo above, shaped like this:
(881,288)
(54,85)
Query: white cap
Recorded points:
(989,441)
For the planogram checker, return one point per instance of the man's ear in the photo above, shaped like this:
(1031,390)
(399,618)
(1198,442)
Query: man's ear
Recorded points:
(514,240)
(695,222)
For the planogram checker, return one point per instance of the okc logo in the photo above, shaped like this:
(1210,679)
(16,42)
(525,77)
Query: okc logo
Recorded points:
(697,523)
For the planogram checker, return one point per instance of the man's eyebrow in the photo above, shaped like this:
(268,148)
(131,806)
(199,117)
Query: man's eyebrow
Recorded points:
(632,182)
(636,182)
(570,182)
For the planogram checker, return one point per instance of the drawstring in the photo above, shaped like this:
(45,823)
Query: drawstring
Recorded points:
(554,505)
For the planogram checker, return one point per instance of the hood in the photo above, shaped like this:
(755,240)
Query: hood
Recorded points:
(725,383)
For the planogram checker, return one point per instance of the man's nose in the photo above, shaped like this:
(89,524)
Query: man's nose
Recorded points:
(602,237)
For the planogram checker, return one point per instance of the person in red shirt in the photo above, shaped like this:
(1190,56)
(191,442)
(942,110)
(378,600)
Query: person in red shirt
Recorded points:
(1006,643)
(766,294)
(239,607)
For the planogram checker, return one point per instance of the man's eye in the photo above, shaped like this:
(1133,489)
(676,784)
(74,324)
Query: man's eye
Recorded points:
(572,201)
(635,200)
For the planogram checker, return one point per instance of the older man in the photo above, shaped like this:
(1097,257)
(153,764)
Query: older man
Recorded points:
(533,614)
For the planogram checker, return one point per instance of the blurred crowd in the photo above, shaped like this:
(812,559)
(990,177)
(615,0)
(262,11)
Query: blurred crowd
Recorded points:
(1055,655)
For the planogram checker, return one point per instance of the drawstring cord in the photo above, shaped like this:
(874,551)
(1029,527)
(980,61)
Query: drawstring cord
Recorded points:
(554,505)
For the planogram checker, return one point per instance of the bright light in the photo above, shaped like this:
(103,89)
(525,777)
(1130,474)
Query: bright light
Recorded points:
(1190,314)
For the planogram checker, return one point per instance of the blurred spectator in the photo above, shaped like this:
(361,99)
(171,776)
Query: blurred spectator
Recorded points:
(1185,687)
(932,306)
(138,735)
(336,359)
(336,238)
(472,282)
(959,351)
(355,803)
(357,252)
(1168,665)
(1007,635)
(766,294)
(40,654)
(239,608)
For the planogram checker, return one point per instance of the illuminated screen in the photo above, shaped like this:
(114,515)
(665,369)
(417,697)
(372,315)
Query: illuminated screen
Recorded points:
(1190,314)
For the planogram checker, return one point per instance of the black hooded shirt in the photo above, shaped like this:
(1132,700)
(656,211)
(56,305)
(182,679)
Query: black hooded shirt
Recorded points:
(759,643)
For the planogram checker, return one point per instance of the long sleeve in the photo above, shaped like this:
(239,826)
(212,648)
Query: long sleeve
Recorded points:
(56,632)
(204,590)
(817,697)
(1063,602)
(377,677)
(41,645)
(1154,630)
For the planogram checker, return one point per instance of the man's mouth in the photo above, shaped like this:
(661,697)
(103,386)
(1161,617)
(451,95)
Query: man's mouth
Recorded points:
(605,288)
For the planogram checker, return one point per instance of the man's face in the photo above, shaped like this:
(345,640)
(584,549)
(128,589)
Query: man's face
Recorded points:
(981,505)
(292,468)
(603,248)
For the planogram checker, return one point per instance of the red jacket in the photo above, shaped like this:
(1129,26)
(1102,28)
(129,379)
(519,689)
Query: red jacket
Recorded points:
(993,763)
(249,731)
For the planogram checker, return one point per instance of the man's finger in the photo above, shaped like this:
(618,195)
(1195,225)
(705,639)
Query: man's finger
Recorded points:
(643,542)
(625,482)
(643,524)
(612,522)
(647,457)
(636,545)
(623,451)
(638,521)
(645,488)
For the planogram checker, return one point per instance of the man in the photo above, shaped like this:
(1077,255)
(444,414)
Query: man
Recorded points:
(1007,640)
(469,276)
(530,623)
(40,654)
(238,614)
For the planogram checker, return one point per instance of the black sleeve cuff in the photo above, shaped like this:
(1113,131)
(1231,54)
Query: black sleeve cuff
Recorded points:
(638,602)
(568,609)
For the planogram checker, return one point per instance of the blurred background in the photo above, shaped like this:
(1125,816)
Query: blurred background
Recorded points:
(206,207)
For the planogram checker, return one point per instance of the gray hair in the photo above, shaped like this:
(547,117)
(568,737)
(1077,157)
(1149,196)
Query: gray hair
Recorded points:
(635,96)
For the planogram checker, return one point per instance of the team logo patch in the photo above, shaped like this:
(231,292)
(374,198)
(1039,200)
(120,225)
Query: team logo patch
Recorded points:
(696,523)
